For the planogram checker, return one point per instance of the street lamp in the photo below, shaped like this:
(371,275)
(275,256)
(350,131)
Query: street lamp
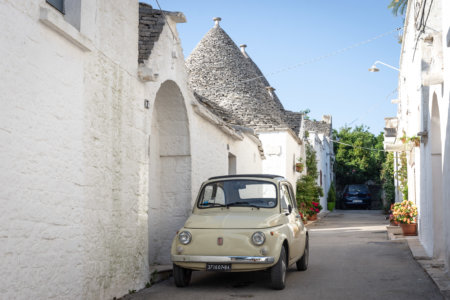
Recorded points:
(375,69)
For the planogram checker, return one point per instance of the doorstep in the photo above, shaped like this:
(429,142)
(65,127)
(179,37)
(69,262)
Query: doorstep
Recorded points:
(434,267)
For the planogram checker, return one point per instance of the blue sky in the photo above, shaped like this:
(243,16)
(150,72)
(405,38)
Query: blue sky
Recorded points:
(282,34)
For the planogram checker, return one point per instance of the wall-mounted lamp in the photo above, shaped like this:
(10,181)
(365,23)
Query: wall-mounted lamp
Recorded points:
(375,69)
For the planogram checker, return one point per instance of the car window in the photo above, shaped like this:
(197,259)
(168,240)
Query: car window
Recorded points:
(239,192)
(214,194)
(357,189)
(285,197)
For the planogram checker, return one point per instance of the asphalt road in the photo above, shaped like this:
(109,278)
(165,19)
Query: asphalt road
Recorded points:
(350,258)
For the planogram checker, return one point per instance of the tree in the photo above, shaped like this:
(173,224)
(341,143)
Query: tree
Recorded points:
(359,155)
(308,192)
(387,178)
(398,6)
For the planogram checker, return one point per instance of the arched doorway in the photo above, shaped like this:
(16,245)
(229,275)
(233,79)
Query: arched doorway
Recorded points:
(170,171)
(436,179)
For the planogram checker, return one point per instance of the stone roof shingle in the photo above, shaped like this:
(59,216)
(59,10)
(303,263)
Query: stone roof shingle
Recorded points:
(151,23)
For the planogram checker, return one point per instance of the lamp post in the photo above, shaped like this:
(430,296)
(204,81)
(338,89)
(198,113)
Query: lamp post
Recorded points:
(375,69)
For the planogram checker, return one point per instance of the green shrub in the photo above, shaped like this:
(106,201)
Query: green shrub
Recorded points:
(308,193)
(331,197)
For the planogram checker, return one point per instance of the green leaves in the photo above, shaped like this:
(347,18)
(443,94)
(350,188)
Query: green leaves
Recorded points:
(308,192)
(357,163)
(398,6)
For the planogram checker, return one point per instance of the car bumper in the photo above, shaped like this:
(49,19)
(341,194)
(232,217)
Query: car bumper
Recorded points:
(224,259)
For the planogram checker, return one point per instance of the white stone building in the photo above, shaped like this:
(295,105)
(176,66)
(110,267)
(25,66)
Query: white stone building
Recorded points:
(318,135)
(103,146)
(100,156)
(423,111)
(226,79)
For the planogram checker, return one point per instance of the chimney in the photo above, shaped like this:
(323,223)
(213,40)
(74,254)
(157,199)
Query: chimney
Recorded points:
(217,21)
(326,119)
(270,90)
(243,46)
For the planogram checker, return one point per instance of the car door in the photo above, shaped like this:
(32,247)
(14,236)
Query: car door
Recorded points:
(295,224)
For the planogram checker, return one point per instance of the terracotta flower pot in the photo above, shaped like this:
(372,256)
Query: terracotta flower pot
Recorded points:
(313,217)
(409,229)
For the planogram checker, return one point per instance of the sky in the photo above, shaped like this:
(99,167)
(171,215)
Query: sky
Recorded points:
(288,41)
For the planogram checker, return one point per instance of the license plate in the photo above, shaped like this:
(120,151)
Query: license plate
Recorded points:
(357,201)
(218,267)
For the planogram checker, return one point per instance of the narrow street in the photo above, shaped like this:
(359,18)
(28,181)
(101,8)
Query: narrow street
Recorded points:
(350,258)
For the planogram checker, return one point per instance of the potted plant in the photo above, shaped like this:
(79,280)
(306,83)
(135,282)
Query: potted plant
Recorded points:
(299,166)
(392,219)
(405,213)
(416,140)
(314,210)
(404,138)
(331,197)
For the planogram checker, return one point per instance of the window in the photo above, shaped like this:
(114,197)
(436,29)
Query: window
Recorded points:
(57,4)
(252,193)
(231,164)
(71,9)
(286,199)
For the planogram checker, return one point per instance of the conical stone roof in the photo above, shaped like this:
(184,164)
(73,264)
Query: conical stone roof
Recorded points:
(230,84)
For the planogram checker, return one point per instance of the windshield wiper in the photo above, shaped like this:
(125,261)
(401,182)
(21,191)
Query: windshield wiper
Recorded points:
(242,203)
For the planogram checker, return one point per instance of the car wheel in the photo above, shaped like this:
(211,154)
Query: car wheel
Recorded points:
(181,276)
(302,263)
(278,272)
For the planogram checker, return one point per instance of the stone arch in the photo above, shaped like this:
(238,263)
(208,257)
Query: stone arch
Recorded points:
(436,180)
(170,171)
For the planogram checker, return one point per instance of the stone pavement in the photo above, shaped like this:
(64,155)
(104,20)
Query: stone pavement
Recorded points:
(435,268)
(351,258)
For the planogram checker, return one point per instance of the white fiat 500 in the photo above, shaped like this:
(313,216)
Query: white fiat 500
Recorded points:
(242,223)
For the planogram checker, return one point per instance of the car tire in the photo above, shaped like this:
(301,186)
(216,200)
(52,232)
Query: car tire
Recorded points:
(278,272)
(182,276)
(302,263)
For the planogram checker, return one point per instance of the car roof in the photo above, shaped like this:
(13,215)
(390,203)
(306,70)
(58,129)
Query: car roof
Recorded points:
(266,176)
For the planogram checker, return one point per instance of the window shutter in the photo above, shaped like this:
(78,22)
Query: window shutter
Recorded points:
(58,4)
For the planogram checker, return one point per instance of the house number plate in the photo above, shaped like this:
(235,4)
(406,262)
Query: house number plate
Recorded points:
(218,267)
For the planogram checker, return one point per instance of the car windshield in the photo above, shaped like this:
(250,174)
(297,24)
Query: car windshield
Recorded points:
(358,189)
(241,192)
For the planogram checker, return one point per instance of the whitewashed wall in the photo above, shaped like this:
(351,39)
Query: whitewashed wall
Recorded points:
(73,144)
(74,150)
(323,163)
(281,151)
(428,172)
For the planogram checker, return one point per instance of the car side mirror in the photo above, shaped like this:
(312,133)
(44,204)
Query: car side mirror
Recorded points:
(289,210)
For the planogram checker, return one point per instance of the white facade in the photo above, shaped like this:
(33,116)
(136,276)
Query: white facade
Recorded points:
(423,110)
(324,155)
(282,150)
(94,184)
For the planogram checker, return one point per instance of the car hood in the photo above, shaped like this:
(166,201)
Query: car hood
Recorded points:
(234,220)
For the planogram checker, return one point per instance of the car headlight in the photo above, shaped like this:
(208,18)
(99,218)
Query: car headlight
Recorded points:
(185,237)
(258,238)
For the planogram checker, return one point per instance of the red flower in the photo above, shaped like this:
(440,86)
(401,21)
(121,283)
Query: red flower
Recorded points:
(315,204)
(317,210)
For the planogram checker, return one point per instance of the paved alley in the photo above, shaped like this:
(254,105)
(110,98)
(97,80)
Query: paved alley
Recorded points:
(350,258)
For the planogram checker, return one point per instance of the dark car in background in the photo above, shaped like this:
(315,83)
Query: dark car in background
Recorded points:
(356,195)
